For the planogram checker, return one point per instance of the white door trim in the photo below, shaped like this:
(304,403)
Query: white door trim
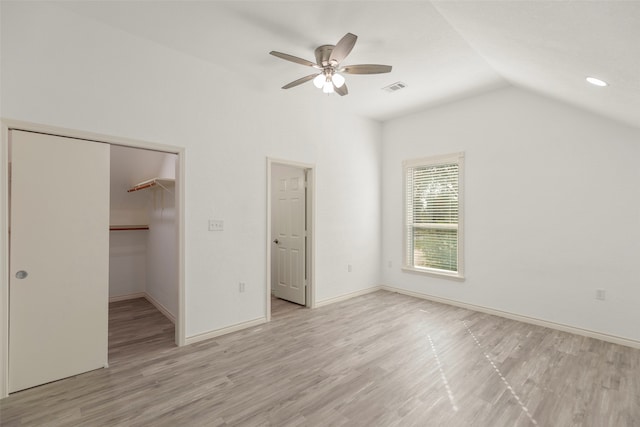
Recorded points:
(311,225)
(5,126)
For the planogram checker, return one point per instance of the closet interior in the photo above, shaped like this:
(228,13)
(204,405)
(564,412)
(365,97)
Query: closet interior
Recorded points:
(143,236)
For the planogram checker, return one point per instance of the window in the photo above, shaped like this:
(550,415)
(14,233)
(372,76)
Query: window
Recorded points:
(433,215)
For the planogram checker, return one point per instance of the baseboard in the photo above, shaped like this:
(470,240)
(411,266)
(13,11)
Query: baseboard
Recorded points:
(126,297)
(525,319)
(223,331)
(161,308)
(259,321)
(347,296)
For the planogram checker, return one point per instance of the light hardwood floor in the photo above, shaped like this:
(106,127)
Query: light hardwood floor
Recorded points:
(382,359)
(281,308)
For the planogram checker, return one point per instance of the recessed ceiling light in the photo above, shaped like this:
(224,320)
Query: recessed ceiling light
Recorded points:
(597,82)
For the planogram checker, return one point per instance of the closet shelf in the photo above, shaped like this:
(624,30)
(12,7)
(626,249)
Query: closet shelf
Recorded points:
(153,182)
(127,227)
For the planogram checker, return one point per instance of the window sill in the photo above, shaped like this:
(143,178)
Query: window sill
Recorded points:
(434,273)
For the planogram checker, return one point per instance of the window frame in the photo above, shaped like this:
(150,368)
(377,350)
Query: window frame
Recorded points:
(457,158)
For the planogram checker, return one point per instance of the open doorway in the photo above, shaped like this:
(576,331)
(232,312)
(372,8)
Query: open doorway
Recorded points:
(290,238)
(143,251)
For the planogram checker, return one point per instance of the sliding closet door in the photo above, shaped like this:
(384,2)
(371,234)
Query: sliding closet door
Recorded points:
(59,258)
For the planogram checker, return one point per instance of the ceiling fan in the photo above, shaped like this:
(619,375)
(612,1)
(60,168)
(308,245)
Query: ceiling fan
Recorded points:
(328,59)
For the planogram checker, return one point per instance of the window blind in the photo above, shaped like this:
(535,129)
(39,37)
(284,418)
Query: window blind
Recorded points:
(432,216)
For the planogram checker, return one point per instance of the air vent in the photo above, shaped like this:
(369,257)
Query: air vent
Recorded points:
(394,87)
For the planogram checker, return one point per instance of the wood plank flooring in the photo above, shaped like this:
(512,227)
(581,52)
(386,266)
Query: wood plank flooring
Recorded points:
(282,308)
(382,359)
(137,327)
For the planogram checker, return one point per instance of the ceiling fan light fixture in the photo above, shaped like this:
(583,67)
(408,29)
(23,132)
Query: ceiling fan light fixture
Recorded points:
(319,81)
(328,86)
(338,80)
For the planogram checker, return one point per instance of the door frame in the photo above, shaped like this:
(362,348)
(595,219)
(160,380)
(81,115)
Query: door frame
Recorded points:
(310,253)
(9,124)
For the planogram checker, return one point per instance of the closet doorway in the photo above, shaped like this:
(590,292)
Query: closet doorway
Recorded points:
(165,212)
(143,250)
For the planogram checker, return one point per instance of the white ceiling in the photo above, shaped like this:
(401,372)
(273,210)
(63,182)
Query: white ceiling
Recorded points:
(442,50)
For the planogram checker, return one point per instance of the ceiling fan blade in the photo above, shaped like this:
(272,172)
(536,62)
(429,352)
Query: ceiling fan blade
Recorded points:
(366,69)
(295,59)
(342,90)
(342,48)
(300,81)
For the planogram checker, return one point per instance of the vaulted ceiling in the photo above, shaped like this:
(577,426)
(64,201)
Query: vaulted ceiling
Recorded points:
(442,50)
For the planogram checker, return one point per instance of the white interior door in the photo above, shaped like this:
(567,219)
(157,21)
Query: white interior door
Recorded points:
(59,258)
(288,233)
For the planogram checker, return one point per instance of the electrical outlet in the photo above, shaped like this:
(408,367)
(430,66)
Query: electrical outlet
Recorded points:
(601,294)
(216,225)
(349,268)
(389,264)
(241,286)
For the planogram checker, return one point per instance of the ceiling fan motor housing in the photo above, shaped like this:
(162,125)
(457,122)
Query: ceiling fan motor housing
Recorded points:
(323,53)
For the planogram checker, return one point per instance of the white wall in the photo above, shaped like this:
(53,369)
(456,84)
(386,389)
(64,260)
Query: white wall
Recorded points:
(127,262)
(162,249)
(348,178)
(552,208)
(64,70)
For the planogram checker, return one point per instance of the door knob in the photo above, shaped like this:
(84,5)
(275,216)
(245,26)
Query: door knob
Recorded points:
(21,274)
(276,241)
